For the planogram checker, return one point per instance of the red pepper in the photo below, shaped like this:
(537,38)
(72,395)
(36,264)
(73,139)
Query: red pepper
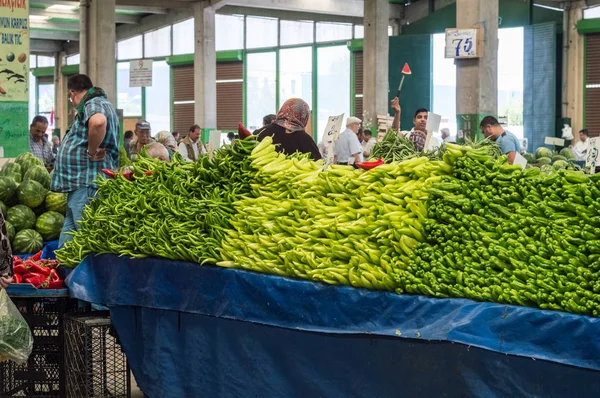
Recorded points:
(36,268)
(37,280)
(109,173)
(243,132)
(54,281)
(17,260)
(128,174)
(17,278)
(36,256)
(53,264)
(149,172)
(20,269)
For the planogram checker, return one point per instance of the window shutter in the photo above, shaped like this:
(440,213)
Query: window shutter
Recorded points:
(592,91)
(539,84)
(230,95)
(183,98)
(358,83)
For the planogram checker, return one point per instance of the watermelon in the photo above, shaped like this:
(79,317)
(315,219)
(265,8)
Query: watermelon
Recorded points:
(10,168)
(10,231)
(31,193)
(4,209)
(21,217)
(38,211)
(56,201)
(22,157)
(560,164)
(39,174)
(29,163)
(8,190)
(544,160)
(543,153)
(15,176)
(49,225)
(558,157)
(530,157)
(27,241)
(568,153)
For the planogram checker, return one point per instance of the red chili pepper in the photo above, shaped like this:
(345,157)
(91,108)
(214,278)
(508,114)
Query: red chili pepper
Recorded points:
(36,256)
(54,281)
(53,264)
(109,173)
(36,280)
(149,172)
(243,132)
(128,174)
(36,268)
(17,278)
(17,260)
(20,269)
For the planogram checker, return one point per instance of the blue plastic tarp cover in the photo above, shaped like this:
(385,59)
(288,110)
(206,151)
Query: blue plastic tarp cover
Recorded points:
(301,305)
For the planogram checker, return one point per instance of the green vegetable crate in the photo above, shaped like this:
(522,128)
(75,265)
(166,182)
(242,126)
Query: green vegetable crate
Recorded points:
(44,372)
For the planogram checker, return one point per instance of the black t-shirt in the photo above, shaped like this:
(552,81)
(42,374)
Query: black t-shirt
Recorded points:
(290,143)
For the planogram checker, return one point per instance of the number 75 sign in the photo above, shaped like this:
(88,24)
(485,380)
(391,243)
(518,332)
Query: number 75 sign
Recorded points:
(464,43)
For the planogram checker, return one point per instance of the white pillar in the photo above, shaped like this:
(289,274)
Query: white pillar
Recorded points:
(376,54)
(573,66)
(98,44)
(205,66)
(477,79)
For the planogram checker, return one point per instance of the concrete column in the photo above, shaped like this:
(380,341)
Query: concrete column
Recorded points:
(477,79)
(376,55)
(98,45)
(60,95)
(573,66)
(205,66)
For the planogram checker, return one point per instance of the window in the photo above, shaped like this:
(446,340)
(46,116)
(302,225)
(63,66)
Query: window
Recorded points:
(359,31)
(46,101)
(32,61)
(333,75)
(261,32)
(128,98)
(444,85)
(296,32)
(591,13)
(261,87)
(183,37)
(45,61)
(73,60)
(295,74)
(229,32)
(157,43)
(158,98)
(333,31)
(130,48)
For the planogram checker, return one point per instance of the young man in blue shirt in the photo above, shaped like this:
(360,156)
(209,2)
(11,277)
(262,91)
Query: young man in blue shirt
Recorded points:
(509,144)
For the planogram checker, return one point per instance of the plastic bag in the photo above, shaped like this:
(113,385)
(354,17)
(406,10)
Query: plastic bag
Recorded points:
(16,341)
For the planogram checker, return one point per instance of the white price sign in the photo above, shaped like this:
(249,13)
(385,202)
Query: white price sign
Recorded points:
(554,141)
(463,43)
(331,134)
(140,73)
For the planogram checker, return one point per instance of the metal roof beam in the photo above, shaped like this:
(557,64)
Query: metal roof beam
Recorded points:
(45,46)
(74,15)
(53,35)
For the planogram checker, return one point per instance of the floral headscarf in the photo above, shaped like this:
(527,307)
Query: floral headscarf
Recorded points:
(293,115)
(167,139)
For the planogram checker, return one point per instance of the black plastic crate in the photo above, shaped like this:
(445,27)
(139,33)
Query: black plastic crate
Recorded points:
(43,375)
(95,363)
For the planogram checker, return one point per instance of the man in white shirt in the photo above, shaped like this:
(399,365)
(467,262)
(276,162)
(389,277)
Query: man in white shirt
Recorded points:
(582,146)
(190,147)
(368,143)
(446,135)
(347,149)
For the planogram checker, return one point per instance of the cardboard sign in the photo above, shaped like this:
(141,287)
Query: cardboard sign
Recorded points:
(433,122)
(464,43)
(593,154)
(554,141)
(140,73)
(520,160)
(331,134)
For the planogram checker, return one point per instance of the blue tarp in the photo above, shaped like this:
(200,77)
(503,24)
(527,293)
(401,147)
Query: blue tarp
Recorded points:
(224,332)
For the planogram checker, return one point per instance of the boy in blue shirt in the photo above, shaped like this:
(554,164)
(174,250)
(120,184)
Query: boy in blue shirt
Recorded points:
(509,144)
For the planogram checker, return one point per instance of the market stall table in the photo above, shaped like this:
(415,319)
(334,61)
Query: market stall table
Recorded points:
(194,331)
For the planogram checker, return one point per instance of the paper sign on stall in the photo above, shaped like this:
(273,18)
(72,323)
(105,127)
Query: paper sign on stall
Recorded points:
(554,141)
(214,142)
(592,156)
(330,136)
(520,160)
(433,126)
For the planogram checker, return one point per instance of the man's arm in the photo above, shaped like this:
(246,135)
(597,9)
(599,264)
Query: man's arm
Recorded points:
(356,158)
(511,157)
(96,131)
(397,111)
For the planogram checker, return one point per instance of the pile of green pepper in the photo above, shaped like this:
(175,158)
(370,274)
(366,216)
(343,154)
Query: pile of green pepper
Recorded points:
(176,210)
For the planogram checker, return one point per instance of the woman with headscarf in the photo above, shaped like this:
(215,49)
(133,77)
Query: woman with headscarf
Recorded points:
(288,131)
(167,139)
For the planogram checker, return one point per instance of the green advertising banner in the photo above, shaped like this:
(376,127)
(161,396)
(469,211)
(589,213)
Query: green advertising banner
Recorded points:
(14,77)
(467,126)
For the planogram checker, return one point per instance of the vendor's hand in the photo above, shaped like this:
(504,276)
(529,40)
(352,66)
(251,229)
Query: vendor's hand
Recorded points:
(4,281)
(99,155)
(396,105)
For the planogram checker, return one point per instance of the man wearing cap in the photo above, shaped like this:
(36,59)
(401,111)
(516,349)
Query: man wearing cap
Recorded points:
(142,137)
(347,148)
(190,147)
(92,144)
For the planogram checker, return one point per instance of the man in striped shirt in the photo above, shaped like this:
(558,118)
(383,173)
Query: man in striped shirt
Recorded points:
(38,140)
(91,144)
